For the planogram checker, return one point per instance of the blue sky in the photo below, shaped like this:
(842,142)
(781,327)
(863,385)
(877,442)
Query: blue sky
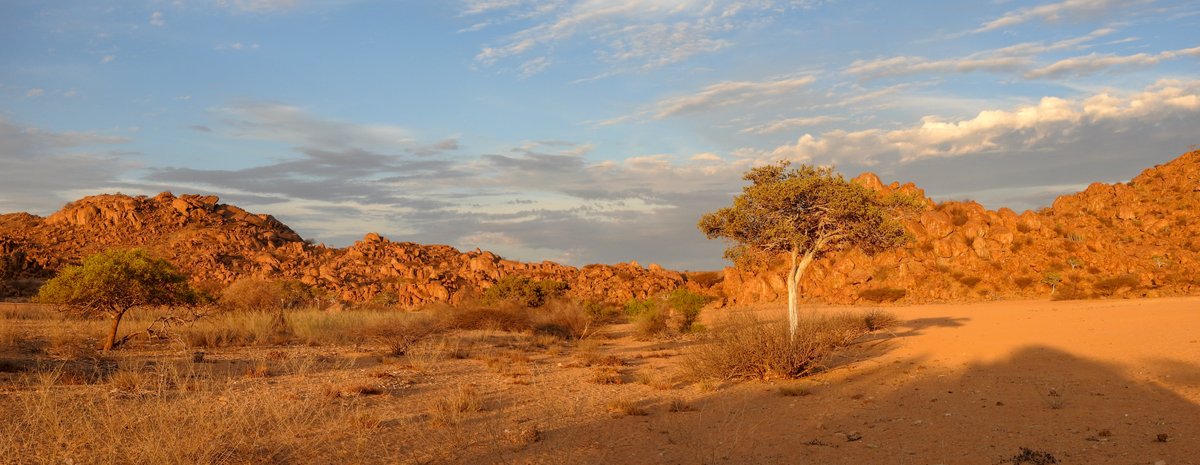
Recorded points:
(579,131)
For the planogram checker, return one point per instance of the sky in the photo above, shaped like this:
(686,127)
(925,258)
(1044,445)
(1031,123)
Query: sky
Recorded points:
(580,131)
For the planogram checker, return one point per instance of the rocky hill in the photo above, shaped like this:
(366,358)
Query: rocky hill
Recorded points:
(218,244)
(1140,238)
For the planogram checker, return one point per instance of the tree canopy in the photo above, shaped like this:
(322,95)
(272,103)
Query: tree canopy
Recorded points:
(805,208)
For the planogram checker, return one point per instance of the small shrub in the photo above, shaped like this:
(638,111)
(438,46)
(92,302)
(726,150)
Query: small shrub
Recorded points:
(751,349)
(648,317)
(566,320)
(1109,286)
(256,294)
(524,291)
(883,294)
(687,305)
(607,375)
(1023,281)
(679,405)
(624,407)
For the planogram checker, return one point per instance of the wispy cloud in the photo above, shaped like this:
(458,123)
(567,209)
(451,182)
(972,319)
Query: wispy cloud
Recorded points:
(1096,62)
(728,93)
(643,33)
(156,19)
(298,126)
(1014,58)
(1053,12)
(787,124)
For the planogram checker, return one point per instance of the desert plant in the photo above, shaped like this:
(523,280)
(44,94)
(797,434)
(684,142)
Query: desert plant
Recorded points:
(754,349)
(1108,286)
(883,294)
(805,212)
(1052,279)
(256,294)
(524,291)
(111,283)
(687,305)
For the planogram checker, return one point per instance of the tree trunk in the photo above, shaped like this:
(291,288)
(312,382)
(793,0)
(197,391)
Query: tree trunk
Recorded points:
(112,331)
(793,298)
(793,285)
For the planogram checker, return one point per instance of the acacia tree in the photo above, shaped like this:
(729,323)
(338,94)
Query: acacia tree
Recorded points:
(804,212)
(110,283)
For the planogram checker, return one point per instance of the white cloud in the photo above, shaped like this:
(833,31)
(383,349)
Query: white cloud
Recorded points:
(156,19)
(1092,63)
(35,92)
(108,58)
(1053,12)
(728,93)
(237,46)
(1051,121)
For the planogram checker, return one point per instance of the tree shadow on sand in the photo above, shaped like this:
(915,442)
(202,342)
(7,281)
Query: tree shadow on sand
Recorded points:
(1080,411)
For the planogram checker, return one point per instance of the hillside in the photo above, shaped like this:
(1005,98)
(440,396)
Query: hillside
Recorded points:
(1134,239)
(1128,239)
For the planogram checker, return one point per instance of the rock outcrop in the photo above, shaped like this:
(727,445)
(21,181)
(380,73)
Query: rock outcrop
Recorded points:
(218,244)
(1140,238)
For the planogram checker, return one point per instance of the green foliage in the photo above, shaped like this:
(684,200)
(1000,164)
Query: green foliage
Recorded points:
(114,281)
(524,291)
(687,305)
(648,316)
(805,209)
(257,294)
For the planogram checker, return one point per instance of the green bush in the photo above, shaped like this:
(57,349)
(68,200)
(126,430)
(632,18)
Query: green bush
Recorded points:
(687,306)
(647,315)
(524,291)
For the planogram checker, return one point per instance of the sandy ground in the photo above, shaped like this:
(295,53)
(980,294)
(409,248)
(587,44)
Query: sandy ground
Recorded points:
(1089,382)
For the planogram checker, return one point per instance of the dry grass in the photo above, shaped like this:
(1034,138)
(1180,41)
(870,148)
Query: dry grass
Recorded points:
(607,375)
(449,410)
(748,348)
(625,407)
(211,424)
(679,405)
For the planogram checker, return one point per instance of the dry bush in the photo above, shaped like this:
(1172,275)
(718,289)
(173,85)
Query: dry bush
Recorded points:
(747,348)
(970,281)
(625,407)
(883,294)
(566,320)
(256,294)
(1109,286)
(1023,281)
(607,375)
(679,405)
(1070,291)
(448,410)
